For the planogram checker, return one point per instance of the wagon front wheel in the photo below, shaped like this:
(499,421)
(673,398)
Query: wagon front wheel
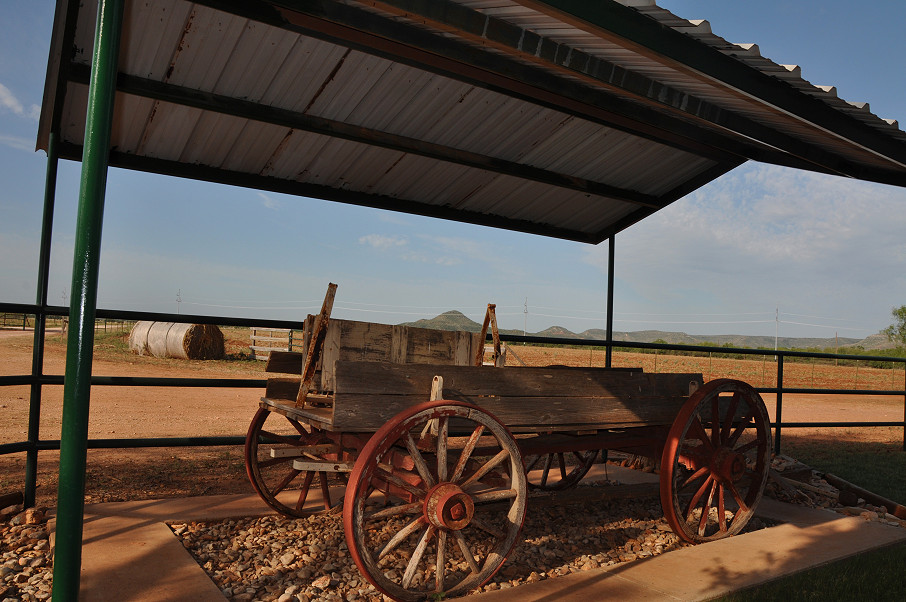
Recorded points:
(272,446)
(435,501)
(715,461)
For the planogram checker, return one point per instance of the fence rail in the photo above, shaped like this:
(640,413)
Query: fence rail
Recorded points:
(264,340)
(109,319)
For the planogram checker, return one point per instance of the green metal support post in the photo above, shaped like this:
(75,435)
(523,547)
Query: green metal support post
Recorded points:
(37,362)
(608,358)
(83,307)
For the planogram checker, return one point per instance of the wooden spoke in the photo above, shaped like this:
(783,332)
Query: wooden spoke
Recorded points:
(728,419)
(401,536)
(697,431)
(494,496)
(706,509)
(738,498)
(273,442)
(466,453)
(695,476)
(442,434)
(383,474)
(698,494)
(531,462)
(721,510)
(743,425)
(747,447)
(417,555)
(466,552)
(701,469)
(441,561)
(561,462)
(275,438)
(486,468)
(298,426)
(566,475)
(420,463)
(483,516)
(303,493)
(715,421)
(547,468)
(325,490)
(400,510)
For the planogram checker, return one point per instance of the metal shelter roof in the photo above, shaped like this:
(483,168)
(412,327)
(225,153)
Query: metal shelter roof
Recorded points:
(565,118)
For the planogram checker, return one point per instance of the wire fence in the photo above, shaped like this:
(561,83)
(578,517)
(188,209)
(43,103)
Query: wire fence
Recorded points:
(41,318)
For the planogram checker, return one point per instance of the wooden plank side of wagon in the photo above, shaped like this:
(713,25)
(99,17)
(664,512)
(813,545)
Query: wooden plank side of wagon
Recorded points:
(525,399)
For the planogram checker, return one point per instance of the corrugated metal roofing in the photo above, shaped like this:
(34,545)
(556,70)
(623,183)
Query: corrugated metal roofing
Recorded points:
(563,118)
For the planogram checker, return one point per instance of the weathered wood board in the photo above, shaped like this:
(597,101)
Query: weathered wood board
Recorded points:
(368,394)
(350,340)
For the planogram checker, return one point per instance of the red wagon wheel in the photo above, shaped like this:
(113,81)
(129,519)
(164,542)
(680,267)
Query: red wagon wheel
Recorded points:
(273,443)
(558,471)
(435,501)
(715,463)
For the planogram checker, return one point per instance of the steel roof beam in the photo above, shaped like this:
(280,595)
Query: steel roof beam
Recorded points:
(366,32)
(488,30)
(649,38)
(208,101)
(350,197)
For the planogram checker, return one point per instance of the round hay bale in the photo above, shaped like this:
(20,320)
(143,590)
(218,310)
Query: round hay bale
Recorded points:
(138,338)
(177,340)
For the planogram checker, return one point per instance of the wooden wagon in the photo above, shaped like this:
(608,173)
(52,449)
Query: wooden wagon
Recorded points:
(438,455)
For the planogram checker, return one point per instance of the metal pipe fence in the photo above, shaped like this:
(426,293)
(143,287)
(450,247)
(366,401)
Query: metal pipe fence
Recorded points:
(109,318)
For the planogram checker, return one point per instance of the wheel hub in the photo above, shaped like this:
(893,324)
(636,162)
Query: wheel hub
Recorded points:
(449,507)
(729,466)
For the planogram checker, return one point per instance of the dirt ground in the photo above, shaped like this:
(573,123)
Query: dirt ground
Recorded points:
(130,412)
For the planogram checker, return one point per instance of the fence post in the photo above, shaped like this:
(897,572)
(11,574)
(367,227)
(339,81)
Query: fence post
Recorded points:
(779,412)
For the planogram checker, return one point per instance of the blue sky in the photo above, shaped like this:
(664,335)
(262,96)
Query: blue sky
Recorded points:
(830,253)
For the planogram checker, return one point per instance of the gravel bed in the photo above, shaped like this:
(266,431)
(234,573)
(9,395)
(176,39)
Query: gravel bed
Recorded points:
(26,566)
(292,560)
(299,560)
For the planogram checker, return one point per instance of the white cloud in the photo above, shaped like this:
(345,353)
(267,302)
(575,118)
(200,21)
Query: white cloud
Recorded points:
(381,242)
(9,102)
(268,201)
(764,236)
(17,142)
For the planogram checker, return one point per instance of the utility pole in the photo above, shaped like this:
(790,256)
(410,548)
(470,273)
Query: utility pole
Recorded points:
(178,299)
(776,326)
(524,319)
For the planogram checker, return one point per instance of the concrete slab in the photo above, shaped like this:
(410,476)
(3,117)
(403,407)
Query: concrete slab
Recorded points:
(718,568)
(130,554)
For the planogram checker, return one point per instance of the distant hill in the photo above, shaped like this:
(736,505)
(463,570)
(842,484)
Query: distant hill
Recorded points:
(456,320)
(449,320)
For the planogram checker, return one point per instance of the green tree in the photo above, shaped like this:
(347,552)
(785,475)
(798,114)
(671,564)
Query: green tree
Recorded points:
(896,332)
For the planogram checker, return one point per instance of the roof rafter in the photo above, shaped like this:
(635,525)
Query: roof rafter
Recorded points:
(352,27)
(651,39)
(226,105)
(486,29)
(327,193)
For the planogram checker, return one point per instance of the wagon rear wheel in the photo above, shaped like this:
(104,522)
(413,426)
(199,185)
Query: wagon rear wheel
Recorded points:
(273,443)
(435,501)
(715,462)
(558,471)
